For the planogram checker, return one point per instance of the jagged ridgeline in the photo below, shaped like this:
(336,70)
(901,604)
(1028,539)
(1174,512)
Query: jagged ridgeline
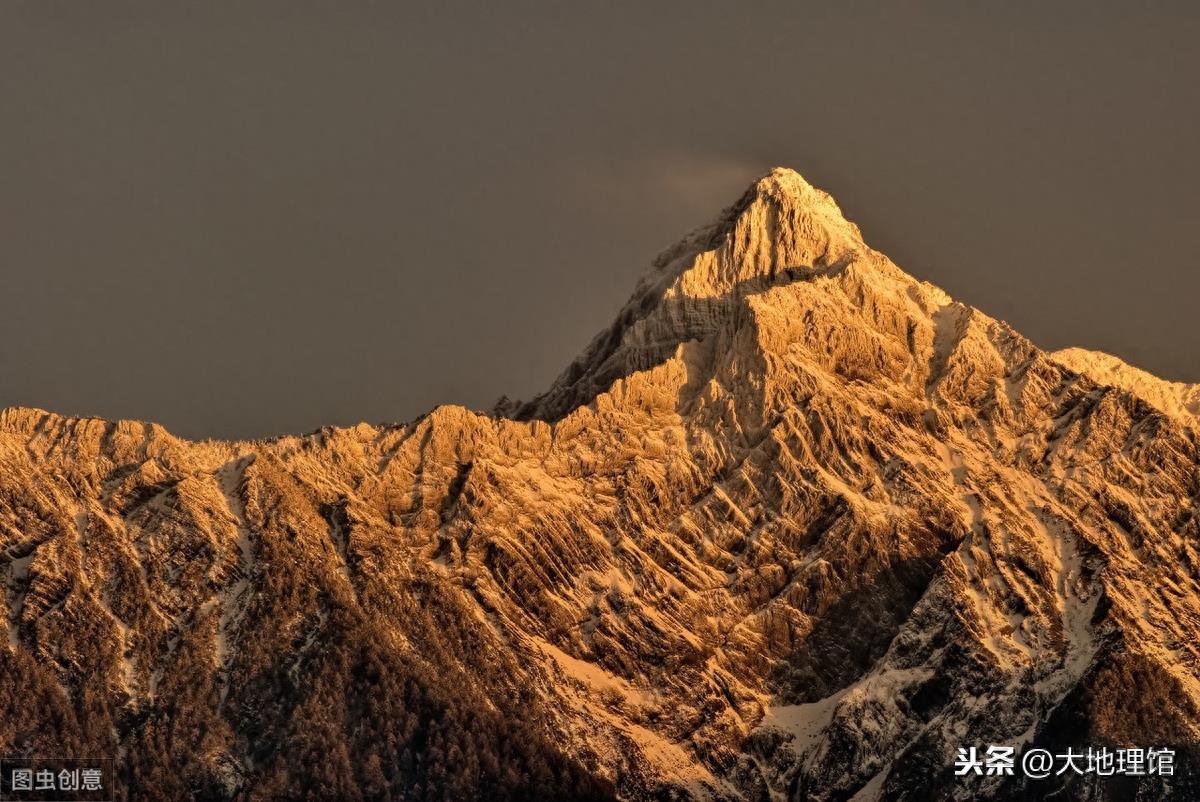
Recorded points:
(796,526)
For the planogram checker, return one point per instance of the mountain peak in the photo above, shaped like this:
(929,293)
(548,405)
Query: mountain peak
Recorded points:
(785,182)
(784,179)
(781,222)
(787,190)
(780,229)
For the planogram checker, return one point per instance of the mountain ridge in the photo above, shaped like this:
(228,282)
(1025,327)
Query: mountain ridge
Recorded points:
(790,191)
(1178,399)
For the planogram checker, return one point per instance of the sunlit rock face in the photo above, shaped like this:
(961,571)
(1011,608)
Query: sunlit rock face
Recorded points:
(797,526)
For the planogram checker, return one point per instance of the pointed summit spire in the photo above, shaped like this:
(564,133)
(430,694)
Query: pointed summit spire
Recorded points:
(784,182)
(780,223)
(787,190)
(780,229)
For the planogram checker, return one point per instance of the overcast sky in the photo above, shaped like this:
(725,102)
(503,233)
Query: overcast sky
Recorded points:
(243,219)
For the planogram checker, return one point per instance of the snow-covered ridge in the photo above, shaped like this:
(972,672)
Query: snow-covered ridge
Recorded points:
(1178,399)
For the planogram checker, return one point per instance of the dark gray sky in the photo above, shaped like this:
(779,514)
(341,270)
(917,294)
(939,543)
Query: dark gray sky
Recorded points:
(242,219)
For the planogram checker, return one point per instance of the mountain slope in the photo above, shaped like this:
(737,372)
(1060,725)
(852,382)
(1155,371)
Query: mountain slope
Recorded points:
(797,526)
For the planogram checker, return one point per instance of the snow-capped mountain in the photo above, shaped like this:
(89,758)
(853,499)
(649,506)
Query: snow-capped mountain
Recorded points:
(796,526)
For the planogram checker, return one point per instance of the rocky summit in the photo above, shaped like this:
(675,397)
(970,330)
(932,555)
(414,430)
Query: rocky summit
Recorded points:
(797,526)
